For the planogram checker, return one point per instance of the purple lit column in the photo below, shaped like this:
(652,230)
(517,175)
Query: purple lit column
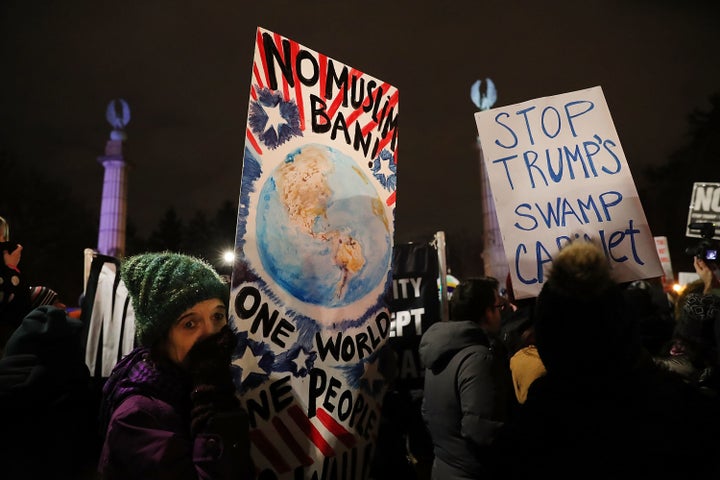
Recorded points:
(111,236)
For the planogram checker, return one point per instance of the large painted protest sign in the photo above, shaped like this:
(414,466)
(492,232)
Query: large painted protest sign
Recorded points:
(312,280)
(558,172)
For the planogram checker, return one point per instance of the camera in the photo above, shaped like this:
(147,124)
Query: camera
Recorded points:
(706,249)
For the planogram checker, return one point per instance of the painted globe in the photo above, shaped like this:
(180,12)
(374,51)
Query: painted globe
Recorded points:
(322,231)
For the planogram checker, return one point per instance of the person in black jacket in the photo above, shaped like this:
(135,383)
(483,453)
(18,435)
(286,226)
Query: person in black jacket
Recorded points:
(693,353)
(14,293)
(48,425)
(604,409)
(468,388)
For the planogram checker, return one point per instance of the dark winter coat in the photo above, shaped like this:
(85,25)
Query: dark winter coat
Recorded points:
(643,423)
(14,301)
(466,396)
(46,416)
(604,409)
(146,407)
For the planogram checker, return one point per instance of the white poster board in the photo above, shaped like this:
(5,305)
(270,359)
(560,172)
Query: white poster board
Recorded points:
(312,280)
(661,245)
(558,172)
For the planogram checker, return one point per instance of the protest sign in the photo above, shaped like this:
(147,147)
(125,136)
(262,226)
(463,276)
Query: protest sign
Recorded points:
(558,173)
(415,306)
(311,283)
(661,245)
(704,208)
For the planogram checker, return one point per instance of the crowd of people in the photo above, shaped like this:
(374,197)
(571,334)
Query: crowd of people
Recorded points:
(607,380)
(591,379)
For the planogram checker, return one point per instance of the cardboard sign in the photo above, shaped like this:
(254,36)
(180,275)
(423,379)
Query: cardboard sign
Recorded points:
(704,208)
(661,245)
(415,306)
(558,173)
(312,279)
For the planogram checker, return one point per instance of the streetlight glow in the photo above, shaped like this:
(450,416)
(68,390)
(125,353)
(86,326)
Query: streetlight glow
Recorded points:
(229,257)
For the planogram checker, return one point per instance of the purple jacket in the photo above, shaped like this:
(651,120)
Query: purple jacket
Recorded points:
(146,411)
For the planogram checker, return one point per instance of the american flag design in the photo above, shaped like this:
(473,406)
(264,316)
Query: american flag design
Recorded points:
(286,442)
(311,280)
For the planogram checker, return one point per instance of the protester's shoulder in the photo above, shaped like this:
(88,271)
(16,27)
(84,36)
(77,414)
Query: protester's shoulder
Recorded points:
(475,356)
(140,408)
(23,379)
(529,351)
(669,389)
(452,336)
(715,291)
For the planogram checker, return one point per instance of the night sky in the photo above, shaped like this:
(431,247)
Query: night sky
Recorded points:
(184,69)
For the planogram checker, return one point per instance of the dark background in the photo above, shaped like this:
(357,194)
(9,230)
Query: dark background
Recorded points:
(184,69)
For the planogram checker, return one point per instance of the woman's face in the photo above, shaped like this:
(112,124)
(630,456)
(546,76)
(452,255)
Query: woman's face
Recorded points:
(196,323)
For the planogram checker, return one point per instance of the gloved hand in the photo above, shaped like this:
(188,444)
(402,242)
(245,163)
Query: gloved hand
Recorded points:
(208,363)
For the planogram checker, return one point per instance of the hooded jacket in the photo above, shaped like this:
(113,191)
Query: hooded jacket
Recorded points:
(146,413)
(466,396)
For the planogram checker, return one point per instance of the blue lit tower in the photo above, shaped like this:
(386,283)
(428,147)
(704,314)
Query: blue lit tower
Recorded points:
(493,253)
(111,236)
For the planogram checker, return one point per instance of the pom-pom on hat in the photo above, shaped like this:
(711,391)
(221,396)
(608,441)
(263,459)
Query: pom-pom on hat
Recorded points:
(163,285)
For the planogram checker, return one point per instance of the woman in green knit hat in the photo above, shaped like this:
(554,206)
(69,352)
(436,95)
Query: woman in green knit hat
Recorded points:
(169,408)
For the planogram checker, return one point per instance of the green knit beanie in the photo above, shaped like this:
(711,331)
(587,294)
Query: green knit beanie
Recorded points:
(163,285)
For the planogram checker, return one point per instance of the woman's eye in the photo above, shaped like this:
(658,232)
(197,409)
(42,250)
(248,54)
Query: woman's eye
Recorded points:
(219,317)
(189,324)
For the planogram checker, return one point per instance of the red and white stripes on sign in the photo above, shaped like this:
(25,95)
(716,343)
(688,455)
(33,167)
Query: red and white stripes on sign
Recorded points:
(261,80)
(292,439)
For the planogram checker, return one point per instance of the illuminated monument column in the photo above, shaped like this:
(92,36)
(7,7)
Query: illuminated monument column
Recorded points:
(111,237)
(494,261)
